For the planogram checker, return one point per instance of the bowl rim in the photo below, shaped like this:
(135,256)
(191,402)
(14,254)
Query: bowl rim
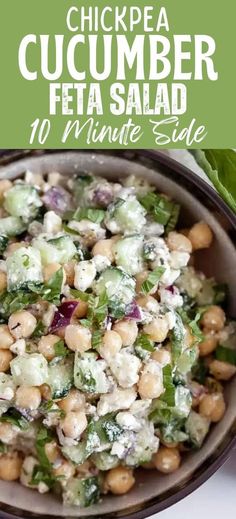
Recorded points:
(209,466)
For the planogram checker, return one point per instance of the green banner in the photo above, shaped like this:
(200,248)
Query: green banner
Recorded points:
(80,74)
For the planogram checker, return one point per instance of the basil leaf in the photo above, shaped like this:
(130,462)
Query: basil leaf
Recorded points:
(86,213)
(225,355)
(169,395)
(152,280)
(220,167)
(195,328)
(173,218)
(164,211)
(192,323)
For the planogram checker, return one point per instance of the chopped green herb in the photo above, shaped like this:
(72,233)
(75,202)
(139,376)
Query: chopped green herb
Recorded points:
(86,213)
(39,331)
(15,418)
(42,475)
(44,436)
(12,302)
(97,310)
(97,339)
(169,395)
(225,354)
(152,280)
(144,342)
(200,371)
(177,337)
(51,290)
(192,323)
(78,294)
(48,407)
(163,211)
(68,229)
(3,243)
(60,349)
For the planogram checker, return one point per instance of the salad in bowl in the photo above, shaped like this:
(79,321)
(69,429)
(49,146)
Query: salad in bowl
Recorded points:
(114,348)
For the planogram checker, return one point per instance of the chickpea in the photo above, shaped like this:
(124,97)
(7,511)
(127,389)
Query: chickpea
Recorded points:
(8,432)
(163,356)
(69,269)
(119,480)
(28,397)
(6,339)
(5,185)
(127,330)
(222,370)
(167,459)
(140,278)
(10,466)
(112,344)
(78,338)
(5,359)
(22,324)
(201,236)
(45,392)
(212,406)
(74,424)
(52,451)
(213,319)
(81,309)
(3,281)
(74,401)
(49,270)
(46,346)
(104,248)
(178,242)
(149,386)
(149,303)
(208,345)
(157,330)
(65,471)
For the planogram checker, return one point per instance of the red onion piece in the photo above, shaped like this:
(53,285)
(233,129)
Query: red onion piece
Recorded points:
(57,199)
(103,195)
(171,289)
(63,315)
(133,312)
